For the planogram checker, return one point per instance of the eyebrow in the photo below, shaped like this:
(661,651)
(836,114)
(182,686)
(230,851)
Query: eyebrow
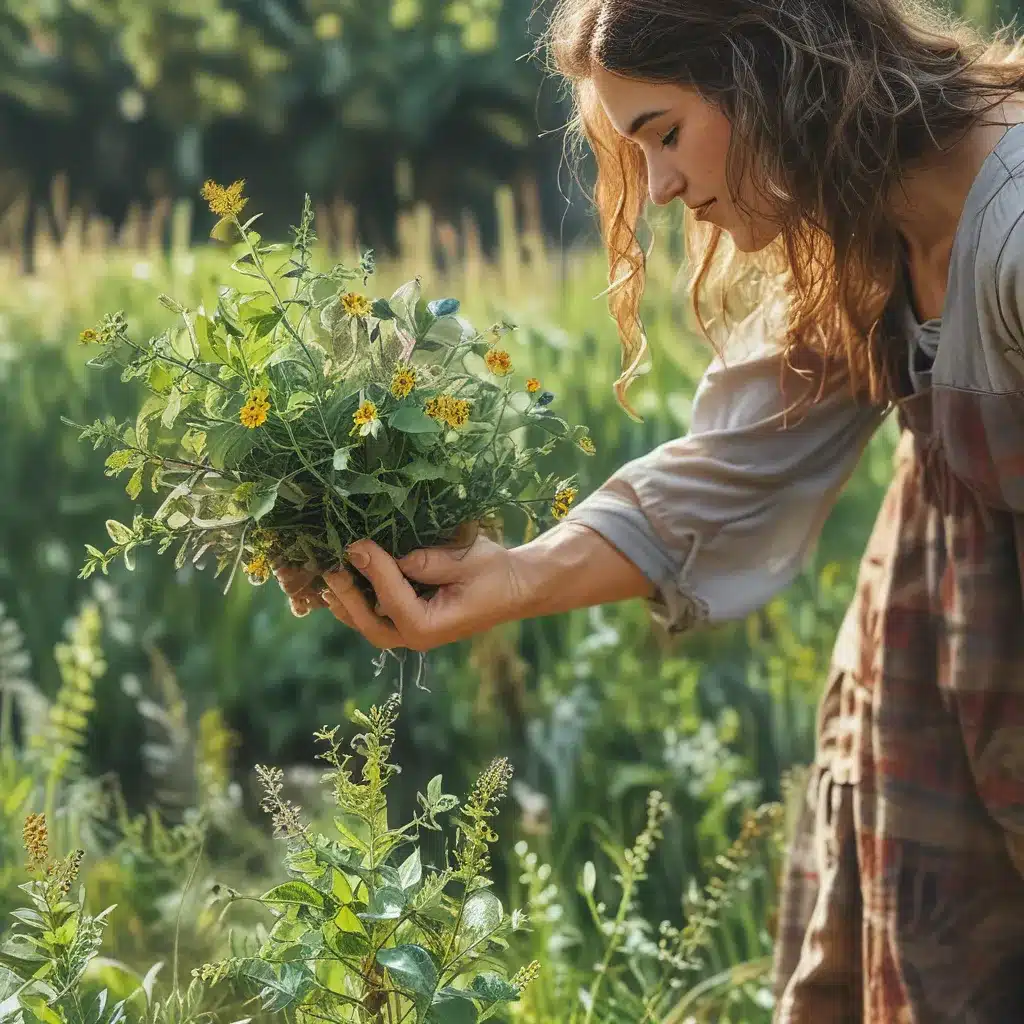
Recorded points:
(643,119)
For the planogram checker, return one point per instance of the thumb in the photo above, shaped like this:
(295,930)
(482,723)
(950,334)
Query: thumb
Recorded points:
(434,566)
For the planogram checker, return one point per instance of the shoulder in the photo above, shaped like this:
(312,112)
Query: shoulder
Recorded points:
(988,276)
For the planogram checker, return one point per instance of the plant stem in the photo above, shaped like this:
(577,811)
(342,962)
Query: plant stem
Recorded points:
(629,882)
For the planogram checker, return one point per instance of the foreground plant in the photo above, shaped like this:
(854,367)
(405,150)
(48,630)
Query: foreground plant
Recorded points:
(365,931)
(300,415)
(45,955)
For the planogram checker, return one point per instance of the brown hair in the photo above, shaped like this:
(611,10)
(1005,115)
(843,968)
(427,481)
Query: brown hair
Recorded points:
(830,102)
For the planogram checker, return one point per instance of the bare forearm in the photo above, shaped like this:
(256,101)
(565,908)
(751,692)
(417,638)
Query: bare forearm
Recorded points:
(572,566)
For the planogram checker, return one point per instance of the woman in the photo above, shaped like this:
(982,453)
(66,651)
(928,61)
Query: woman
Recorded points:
(855,166)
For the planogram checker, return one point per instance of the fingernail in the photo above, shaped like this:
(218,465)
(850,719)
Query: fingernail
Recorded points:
(360,559)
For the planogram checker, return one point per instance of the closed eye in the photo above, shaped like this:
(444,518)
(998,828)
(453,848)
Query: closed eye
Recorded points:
(669,139)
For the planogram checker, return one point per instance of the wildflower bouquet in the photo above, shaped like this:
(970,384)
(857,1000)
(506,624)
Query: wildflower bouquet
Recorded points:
(300,415)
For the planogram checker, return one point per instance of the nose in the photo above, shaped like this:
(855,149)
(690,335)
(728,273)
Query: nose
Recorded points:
(664,182)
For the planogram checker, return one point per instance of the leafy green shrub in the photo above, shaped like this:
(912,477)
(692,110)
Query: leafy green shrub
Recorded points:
(364,928)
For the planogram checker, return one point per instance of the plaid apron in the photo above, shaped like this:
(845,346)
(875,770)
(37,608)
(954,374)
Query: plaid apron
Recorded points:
(903,895)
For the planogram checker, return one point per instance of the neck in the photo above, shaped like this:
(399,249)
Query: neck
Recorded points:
(927,202)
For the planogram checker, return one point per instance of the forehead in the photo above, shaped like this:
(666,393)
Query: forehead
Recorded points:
(626,99)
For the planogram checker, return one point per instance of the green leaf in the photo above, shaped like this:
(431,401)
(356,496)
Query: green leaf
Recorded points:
(410,419)
(121,459)
(410,871)
(552,424)
(298,401)
(228,443)
(226,231)
(283,984)
(118,532)
(412,967)
(29,917)
(291,491)
(334,541)
(382,310)
(493,988)
(481,915)
(366,483)
(172,409)
(150,407)
(420,470)
(295,892)
(356,833)
(404,301)
(452,1006)
(423,319)
(341,888)
(346,921)
(134,486)
(37,1006)
(263,499)
(386,904)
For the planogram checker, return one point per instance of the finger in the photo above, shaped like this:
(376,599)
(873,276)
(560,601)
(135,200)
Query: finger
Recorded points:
(395,595)
(435,566)
(343,595)
(303,604)
(337,609)
(293,581)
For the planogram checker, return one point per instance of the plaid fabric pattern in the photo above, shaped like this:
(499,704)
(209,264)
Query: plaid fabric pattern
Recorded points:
(903,898)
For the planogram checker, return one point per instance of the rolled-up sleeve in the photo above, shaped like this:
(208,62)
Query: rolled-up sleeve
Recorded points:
(722,519)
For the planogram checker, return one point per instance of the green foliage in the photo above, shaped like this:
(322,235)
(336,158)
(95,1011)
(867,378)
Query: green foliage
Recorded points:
(368,919)
(364,927)
(294,424)
(594,709)
(376,103)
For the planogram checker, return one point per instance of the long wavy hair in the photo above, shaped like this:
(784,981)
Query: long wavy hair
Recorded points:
(831,102)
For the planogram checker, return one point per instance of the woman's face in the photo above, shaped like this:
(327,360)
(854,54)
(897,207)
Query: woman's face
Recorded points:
(685,141)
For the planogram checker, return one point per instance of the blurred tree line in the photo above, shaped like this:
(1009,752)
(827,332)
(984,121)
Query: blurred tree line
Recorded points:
(379,102)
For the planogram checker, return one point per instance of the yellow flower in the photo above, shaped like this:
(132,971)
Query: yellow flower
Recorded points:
(365,420)
(36,839)
(446,409)
(563,502)
(587,446)
(355,304)
(89,336)
(499,362)
(258,569)
(533,385)
(225,202)
(403,381)
(254,413)
(458,412)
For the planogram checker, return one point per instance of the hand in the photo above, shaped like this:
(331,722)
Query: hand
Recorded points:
(478,587)
(296,584)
